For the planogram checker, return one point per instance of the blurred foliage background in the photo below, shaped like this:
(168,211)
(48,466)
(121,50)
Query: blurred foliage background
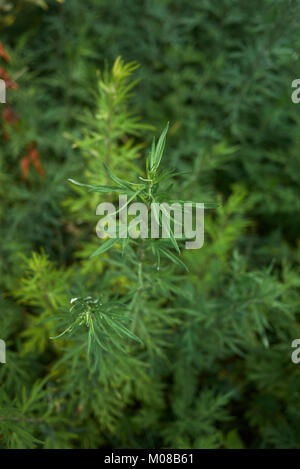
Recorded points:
(216,369)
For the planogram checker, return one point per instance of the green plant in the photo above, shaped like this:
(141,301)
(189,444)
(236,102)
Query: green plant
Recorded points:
(213,368)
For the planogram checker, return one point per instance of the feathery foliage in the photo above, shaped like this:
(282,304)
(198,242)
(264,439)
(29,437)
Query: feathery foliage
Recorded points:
(138,343)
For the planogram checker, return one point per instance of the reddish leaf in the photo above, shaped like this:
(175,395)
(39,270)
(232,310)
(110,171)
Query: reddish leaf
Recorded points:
(25,162)
(3,53)
(10,116)
(6,77)
(35,158)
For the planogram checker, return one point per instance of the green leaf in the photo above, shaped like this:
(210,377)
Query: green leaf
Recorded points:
(122,329)
(173,258)
(96,188)
(152,153)
(174,242)
(104,247)
(156,159)
(125,184)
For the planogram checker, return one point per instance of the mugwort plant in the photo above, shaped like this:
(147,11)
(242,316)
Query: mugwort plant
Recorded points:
(142,240)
